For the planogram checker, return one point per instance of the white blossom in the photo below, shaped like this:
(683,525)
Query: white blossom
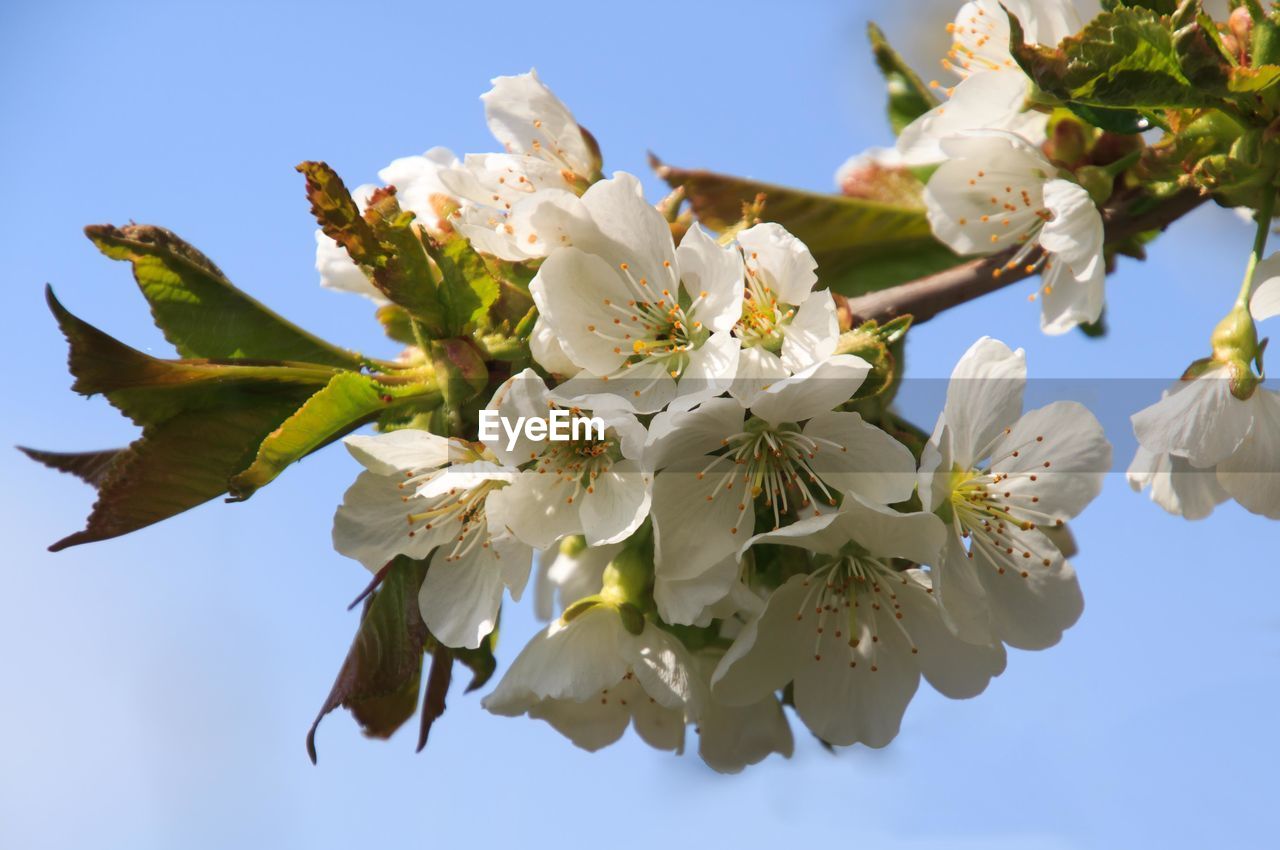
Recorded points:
(718,461)
(786,324)
(1199,430)
(590,677)
(589,485)
(570,572)
(997,192)
(423,495)
(993,89)
(855,635)
(1001,478)
(647,323)
(546,158)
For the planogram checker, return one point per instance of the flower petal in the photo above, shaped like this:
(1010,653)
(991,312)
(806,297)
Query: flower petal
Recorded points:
(788,266)
(818,389)
(1252,474)
(1199,419)
(711,274)
(1056,457)
(459,599)
(983,397)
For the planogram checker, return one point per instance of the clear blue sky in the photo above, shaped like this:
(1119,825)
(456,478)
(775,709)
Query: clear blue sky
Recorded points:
(156,689)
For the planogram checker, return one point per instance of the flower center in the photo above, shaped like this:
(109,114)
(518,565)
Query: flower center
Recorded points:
(775,463)
(763,317)
(655,323)
(578,463)
(994,510)
(462,509)
(852,585)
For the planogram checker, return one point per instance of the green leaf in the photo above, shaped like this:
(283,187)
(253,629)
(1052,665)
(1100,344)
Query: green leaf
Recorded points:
(909,97)
(379,678)
(202,422)
(1122,59)
(347,402)
(437,689)
(405,276)
(860,245)
(1127,122)
(89,467)
(200,312)
(467,288)
(1160,7)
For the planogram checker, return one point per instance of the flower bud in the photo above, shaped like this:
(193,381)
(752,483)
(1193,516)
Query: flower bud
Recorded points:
(1235,343)
(1097,181)
(627,578)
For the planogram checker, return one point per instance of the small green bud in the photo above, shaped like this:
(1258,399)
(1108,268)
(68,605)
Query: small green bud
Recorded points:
(1235,344)
(573,545)
(1097,181)
(627,578)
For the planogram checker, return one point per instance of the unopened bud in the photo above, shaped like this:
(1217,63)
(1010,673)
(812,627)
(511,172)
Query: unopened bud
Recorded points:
(1240,25)
(1097,181)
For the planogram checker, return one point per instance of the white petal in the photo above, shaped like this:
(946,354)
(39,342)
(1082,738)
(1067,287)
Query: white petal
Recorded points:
(713,269)
(521,110)
(523,395)
(1176,485)
(847,694)
(371,524)
(955,668)
(405,450)
(758,369)
(615,504)
(1075,233)
(575,293)
(710,371)
(961,594)
(789,267)
(983,397)
(868,462)
(339,272)
(572,661)
(665,670)
(460,599)
(1064,446)
(417,181)
(683,601)
(1252,474)
(545,347)
(884,532)
(813,333)
(1265,302)
(536,509)
(983,101)
(1067,301)
(628,229)
(690,434)
(695,517)
(590,724)
(1199,420)
(1031,604)
(766,652)
(818,389)
(732,737)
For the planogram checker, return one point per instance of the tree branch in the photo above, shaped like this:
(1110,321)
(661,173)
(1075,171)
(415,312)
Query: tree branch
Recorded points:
(929,296)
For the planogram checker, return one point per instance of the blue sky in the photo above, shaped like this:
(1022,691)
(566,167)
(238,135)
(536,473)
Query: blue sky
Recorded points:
(157,688)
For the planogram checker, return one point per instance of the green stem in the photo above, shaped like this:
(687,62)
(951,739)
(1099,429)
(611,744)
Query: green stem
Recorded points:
(1120,166)
(1263,218)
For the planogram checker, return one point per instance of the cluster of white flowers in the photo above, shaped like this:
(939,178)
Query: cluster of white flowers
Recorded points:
(734,537)
(994,190)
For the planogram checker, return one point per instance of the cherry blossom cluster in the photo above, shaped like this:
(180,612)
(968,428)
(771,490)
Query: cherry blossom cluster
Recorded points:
(737,538)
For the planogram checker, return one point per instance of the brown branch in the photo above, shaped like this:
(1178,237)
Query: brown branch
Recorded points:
(929,296)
